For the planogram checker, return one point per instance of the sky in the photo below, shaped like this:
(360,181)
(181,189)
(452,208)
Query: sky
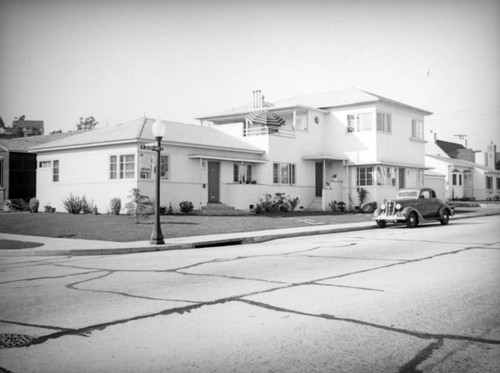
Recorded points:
(179,60)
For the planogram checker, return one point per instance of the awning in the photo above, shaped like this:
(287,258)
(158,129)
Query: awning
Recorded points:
(265,118)
(229,159)
(318,158)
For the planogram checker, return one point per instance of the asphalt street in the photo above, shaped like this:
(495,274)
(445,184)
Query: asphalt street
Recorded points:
(386,300)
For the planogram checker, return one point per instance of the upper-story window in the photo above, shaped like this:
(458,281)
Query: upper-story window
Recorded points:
(384,122)
(417,129)
(122,166)
(45,164)
(359,122)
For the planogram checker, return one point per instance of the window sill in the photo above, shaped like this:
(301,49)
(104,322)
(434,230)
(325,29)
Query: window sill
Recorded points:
(416,139)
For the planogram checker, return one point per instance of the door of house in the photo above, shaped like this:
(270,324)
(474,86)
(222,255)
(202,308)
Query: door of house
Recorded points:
(468,185)
(213,182)
(319,179)
(401,177)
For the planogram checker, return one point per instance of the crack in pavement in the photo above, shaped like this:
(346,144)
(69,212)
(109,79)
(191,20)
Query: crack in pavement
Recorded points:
(421,356)
(49,277)
(413,333)
(350,287)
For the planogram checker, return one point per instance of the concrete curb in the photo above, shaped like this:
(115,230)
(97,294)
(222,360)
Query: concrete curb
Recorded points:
(58,246)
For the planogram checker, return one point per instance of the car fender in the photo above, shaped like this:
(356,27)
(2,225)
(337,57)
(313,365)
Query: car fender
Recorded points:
(442,208)
(409,209)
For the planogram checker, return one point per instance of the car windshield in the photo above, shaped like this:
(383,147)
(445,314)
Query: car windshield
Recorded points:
(407,194)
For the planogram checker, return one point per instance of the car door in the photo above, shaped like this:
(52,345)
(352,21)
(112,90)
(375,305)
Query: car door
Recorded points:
(424,205)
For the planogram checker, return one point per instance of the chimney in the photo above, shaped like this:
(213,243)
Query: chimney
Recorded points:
(491,152)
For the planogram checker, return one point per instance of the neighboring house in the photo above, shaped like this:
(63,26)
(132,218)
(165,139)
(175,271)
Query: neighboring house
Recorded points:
(326,146)
(197,165)
(18,166)
(464,178)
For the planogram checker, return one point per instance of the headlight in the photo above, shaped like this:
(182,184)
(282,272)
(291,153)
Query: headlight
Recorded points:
(382,206)
(398,206)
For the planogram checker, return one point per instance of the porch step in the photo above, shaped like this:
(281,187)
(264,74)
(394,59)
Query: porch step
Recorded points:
(220,209)
(315,205)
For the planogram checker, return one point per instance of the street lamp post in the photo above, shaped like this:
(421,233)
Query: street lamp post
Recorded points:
(158,129)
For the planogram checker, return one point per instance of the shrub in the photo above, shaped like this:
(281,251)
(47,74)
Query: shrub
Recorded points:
(337,206)
(115,206)
(34,204)
(88,207)
(140,205)
(277,203)
(75,204)
(362,193)
(186,207)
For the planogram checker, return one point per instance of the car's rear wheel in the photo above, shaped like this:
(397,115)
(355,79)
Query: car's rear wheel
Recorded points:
(412,220)
(445,217)
(381,223)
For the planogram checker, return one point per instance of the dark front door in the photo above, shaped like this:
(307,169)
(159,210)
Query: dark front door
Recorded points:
(213,182)
(401,174)
(319,179)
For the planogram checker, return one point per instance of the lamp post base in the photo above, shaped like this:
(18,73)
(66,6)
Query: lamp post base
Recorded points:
(157,241)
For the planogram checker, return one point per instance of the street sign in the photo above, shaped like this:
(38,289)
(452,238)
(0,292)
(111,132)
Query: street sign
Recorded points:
(151,147)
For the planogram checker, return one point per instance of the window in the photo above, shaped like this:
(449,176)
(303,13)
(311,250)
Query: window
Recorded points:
(385,176)
(122,167)
(489,182)
(164,174)
(45,164)
(417,129)
(359,122)
(242,173)
(1,173)
(457,179)
(283,173)
(384,122)
(498,179)
(55,172)
(365,176)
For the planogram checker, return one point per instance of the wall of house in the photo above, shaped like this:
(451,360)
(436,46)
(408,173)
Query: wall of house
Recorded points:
(399,146)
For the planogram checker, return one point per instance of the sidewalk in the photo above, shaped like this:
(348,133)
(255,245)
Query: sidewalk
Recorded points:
(65,246)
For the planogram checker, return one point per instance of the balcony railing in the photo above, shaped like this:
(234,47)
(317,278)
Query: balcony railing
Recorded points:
(262,131)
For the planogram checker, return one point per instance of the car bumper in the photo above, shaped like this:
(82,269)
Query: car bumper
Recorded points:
(396,218)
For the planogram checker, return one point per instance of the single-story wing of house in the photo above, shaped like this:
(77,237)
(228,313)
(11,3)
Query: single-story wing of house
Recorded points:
(197,165)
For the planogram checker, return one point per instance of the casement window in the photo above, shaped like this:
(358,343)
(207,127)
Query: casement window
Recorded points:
(44,164)
(164,167)
(283,173)
(384,122)
(364,176)
(242,173)
(489,182)
(359,122)
(147,166)
(498,182)
(417,129)
(122,166)
(55,172)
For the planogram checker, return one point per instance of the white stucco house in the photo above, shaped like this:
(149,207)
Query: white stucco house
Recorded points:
(325,146)
(464,178)
(319,148)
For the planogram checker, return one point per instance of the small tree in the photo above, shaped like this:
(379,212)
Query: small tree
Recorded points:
(88,123)
(140,205)
(362,193)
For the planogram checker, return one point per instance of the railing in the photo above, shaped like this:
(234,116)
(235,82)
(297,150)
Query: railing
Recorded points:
(260,131)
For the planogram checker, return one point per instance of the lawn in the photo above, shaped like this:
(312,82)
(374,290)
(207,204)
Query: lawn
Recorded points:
(123,228)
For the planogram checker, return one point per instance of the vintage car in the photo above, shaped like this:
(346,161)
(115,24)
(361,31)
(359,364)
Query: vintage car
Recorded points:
(413,206)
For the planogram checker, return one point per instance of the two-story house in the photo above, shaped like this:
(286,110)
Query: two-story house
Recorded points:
(326,146)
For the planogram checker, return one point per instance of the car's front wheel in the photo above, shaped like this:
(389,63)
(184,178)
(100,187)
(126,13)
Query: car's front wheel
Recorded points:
(445,218)
(412,220)
(381,223)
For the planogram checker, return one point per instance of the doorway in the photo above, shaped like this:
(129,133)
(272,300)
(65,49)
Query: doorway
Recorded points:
(213,182)
(319,179)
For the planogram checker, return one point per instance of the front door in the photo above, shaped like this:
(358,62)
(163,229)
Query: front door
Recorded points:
(401,174)
(213,182)
(319,179)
